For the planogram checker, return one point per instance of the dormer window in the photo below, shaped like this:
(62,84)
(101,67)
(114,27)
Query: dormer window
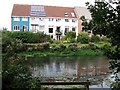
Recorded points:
(73,15)
(66,14)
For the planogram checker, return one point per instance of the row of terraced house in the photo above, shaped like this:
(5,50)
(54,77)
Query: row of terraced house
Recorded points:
(55,21)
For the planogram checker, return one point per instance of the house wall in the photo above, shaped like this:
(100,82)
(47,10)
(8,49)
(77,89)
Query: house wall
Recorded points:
(20,23)
(53,24)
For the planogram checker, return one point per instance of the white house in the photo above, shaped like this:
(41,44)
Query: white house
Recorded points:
(51,20)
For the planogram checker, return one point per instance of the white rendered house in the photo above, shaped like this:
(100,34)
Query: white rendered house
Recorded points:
(51,20)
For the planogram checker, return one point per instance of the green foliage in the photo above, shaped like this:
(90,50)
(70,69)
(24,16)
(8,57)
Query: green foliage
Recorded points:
(105,39)
(64,38)
(73,47)
(70,35)
(38,47)
(12,45)
(83,38)
(91,46)
(95,38)
(16,75)
(87,25)
(29,37)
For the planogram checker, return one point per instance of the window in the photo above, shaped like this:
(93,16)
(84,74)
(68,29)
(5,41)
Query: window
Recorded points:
(51,19)
(73,15)
(73,29)
(41,19)
(16,27)
(24,19)
(57,20)
(66,30)
(66,14)
(33,18)
(73,20)
(25,28)
(51,36)
(16,19)
(41,27)
(50,30)
(66,20)
(34,27)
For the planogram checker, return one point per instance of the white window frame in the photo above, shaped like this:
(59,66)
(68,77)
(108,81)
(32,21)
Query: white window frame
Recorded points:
(51,19)
(57,20)
(26,27)
(16,19)
(24,19)
(73,20)
(66,20)
(41,19)
(74,28)
(16,27)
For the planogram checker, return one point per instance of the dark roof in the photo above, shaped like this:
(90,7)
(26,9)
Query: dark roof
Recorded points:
(50,11)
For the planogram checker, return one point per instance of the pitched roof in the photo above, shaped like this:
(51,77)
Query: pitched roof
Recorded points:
(82,11)
(50,11)
(21,10)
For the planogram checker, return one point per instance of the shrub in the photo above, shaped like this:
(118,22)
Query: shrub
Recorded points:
(72,41)
(73,47)
(12,45)
(91,46)
(95,38)
(105,39)
(70,35)
(64,38)
(62,46)
(83,38)
(29,37)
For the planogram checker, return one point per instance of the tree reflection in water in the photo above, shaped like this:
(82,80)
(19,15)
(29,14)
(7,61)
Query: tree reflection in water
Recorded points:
(69,68)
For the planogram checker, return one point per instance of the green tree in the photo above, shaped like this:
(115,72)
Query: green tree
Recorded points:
(87,25)
(107,22)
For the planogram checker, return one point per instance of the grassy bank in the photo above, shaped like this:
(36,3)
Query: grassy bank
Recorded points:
(63,53)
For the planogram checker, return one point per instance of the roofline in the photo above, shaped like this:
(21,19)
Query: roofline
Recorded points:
(20,16)
(44,5)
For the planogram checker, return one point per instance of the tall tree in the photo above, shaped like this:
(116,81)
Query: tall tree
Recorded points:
(107,22)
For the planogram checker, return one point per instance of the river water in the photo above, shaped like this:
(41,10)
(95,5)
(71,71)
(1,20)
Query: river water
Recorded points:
(82,68)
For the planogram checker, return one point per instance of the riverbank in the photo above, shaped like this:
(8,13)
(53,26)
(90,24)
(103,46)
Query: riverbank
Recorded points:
(80,52)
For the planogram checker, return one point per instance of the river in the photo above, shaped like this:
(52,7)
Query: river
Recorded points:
(82,68)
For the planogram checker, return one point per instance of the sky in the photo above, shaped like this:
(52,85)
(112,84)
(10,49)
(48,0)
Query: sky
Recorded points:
(7,5)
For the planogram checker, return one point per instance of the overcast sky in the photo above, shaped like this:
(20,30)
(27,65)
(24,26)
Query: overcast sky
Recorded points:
(7,5)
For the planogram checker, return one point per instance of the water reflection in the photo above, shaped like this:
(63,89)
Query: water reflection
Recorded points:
(72,68)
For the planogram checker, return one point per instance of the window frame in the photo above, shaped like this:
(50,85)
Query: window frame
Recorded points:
(16,27)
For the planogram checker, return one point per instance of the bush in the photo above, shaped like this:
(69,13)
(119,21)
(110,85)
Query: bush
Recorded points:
(29,37)
(38,47)
(105,39)
(91,46)
(73,47)
(12,45)
(83,38)
(70,35)
(64,38)
(95,38)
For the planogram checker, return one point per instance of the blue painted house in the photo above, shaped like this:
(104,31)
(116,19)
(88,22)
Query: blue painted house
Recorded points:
(20,18)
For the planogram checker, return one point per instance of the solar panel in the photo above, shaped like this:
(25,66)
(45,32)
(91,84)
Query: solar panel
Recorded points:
(37,10)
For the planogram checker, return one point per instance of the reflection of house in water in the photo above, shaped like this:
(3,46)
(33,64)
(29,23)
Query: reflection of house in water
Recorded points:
(91,70)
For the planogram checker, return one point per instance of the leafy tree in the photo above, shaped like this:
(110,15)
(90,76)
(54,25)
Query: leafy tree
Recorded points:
(107,22)
(87,25)
(14,73)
